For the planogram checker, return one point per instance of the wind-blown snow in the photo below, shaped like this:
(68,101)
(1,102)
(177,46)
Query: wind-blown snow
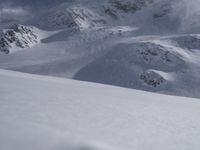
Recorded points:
(139,44)
(47,113)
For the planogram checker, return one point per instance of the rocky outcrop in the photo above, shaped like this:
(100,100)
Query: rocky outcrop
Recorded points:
(152,79)
(149,52)
(18,36)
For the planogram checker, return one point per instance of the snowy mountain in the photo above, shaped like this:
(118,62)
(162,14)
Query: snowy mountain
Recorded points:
(51,51)
(88,14)
(158,64)
(139,44)
(39,112)
(70,17)
(114,7)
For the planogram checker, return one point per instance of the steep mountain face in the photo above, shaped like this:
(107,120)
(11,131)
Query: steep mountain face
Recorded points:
(17,37)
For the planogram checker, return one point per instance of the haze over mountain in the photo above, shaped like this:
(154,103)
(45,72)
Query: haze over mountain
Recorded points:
(149,45)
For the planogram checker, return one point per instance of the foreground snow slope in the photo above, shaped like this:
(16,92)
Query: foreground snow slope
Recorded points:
(46,113)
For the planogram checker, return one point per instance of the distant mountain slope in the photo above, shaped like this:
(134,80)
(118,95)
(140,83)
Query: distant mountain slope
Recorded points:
(87,13)
(158,64)
(64,17)
(140,44)
(43,113)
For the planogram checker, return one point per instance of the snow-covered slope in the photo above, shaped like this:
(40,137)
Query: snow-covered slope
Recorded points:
(46,113)
(111,55)
(168,64)
(140,44)
(64,52)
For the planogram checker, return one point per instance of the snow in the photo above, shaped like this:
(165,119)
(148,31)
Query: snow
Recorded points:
(19,37)
(112,55)
(142,44)
(146,45)
(130,58)
(167,76)
(47,113)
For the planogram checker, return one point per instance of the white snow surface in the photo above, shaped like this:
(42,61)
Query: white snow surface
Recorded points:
(47,113)
(151,45)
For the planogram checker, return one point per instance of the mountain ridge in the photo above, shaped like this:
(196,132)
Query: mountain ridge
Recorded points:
(81,41)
